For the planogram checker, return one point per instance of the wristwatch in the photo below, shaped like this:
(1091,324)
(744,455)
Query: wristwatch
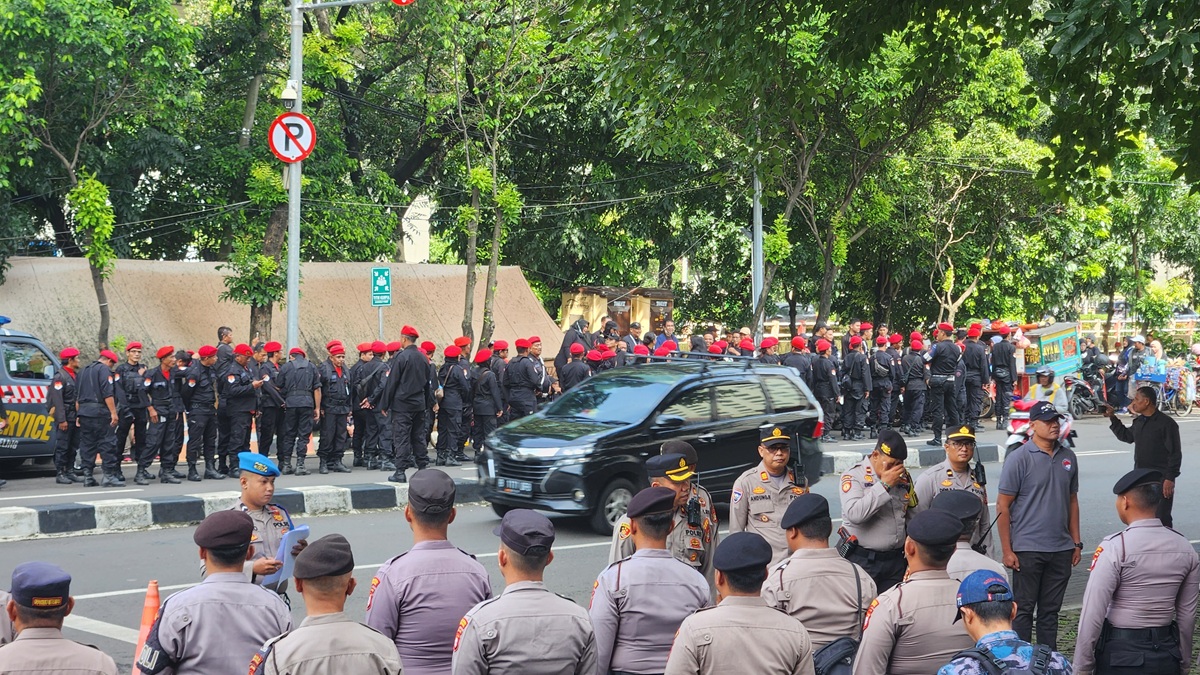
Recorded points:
(1079,545)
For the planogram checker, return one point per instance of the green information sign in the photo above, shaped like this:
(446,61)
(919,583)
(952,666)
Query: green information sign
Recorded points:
(381,287)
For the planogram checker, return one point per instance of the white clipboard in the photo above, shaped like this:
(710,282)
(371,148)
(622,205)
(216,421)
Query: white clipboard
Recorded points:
(290,539)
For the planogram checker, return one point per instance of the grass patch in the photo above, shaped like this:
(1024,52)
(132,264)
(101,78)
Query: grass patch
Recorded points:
(1068,625)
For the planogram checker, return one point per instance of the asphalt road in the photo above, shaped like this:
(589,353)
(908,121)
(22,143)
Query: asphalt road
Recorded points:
(111,571)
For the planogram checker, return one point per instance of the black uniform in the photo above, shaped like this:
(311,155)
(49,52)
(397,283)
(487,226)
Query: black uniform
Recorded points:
(270,408)
(160,433)
(500,367)
(468,413)
(335,413)
(572,374)
(454,382)
(916,384)
(975,361)
(1004,370)
(526,378)
(364,383)
(95,422)
(132,401)
(405,398)
(224,422)
(769,359)
(574,334)
(802,363)
(897,385)
(827,390)
(857,376)
(298,379)
(200,399)
(238,402)
(62,395)
(882,380)
(943,359)
(485,402)
(178,383)
(360,415)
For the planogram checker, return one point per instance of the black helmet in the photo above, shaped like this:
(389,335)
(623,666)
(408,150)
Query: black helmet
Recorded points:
(1045,371)
(1102,361)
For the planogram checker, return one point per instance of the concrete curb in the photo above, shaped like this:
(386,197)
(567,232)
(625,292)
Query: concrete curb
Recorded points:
(123,515)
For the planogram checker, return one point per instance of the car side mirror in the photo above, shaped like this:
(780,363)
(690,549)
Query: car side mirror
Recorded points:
(667,423)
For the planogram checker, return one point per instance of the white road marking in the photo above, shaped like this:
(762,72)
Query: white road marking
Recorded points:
(1098,453)
(108,630)
(131,591)
(93,493)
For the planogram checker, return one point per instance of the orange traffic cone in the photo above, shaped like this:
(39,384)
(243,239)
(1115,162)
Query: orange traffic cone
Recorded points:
(149,614)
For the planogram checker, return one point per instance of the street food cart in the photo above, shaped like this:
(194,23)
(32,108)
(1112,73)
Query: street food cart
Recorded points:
(1056,346)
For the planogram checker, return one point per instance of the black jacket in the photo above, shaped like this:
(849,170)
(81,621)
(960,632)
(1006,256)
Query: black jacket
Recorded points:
(802,363)
(572,374)
(857,373)
(236,388)
(486,399)
(455,382)
(95,384)
(200,388)
(943,358)
(976,361)
(298,379)
(882,369)
(916,377)
(1004,361)
(335,389)
(407,386)
(62,396)
(825,378)
(269,394)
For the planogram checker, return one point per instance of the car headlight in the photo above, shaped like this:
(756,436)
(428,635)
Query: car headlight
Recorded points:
(575,451)
(553,453)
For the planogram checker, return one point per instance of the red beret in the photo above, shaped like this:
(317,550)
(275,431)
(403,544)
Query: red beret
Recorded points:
(191,352)
(522,343)
(337,349)
(915,335)
(577,348)
(452,352)
(427,347)
(209,350)
(641,350)
(332,342)
(243,349)
(798,343)
(499,345)
(483,355)
(364,347)
(714,348)
(379,346)
(974,331)
(746,345)
(855,341)
(721,344)
(133,345)
(823,345)
(608,354)
(881,341)
(164,351)
(916,345)
(769,342)
(865,326)
(662,351)
(670,345)
(594,355)
(109,354)
(533,340)
(409,331)
(946,327)
(291,352)
(273,346)
(896,338)
(461,342)
(394,346)
(1004,330)
(68,353)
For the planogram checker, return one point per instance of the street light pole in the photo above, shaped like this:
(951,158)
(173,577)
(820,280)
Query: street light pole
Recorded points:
(293,226)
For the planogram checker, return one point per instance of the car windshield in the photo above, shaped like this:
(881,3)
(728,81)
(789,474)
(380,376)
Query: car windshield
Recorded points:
(621,399)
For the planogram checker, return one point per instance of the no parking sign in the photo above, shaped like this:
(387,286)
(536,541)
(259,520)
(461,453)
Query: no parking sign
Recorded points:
(292,137)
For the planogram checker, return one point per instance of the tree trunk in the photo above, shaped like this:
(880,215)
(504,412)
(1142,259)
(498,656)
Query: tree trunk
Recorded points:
(791,296)
(760,305)
(472,261)
(261,315)
(489,295)
(248,114)
(1112,300)
(102,301)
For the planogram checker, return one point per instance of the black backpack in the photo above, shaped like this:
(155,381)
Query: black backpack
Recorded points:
(1039,664)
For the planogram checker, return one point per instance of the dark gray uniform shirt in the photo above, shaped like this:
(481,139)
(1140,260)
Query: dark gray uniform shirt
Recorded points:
(1043,485)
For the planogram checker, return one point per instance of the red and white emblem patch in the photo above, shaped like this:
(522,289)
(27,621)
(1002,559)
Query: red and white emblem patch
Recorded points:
(1067,464)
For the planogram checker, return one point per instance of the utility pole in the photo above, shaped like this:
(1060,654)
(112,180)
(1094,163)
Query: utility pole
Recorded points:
(756,258)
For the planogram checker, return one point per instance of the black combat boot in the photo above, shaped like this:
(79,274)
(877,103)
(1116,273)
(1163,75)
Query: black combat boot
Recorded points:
(398,477)
(337,466)
(211,473)
(300,469)
(167,477)
(285,467)
(192,474)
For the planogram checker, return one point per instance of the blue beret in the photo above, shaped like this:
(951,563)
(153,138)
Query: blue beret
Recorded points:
(256,463)
(652,500)
(1135,478)
(934,527)
(40,585)
(806,507)
(742,551)
(525,531)
(960,503)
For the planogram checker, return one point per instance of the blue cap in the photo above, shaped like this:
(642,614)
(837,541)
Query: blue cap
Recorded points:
(40,585)
(982,586)
(256,463)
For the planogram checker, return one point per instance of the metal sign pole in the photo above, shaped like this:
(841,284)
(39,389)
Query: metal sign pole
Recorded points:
(293,228)
(381,323)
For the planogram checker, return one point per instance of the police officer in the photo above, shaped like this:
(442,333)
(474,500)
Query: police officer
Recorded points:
(62,397)
(271,521)
(527,629)
(761,495)
(826,387)
(300,385)
(814,584)
(1139,607)
(955,473)
(882,371)
(455,391)
(575,370)
(741,634)
(238,396)
(877,494)
(487,402)
(335,412)
(638,602)
(200,398)
(164,417)
(270,423)
(404,399)
(132,401)
(1004,371)
(975,360)
(97,416)
(218,625)
(916,385)
(418,597)
(966,507)
(41,600)
(327,642)
(910,629)
(943,359)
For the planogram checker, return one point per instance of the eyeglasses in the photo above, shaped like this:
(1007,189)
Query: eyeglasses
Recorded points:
(778,450)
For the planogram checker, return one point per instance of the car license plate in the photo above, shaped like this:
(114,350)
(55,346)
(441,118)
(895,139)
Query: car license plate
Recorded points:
(516,487)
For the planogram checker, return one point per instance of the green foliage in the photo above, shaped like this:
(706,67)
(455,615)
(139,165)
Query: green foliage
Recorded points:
(1157,306)
(255,279)
(93,216)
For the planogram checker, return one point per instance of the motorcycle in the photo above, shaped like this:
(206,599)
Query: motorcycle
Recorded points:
(1083,396)
(1020,431)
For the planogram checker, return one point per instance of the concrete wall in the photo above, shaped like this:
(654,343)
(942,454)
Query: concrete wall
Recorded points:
(176,303)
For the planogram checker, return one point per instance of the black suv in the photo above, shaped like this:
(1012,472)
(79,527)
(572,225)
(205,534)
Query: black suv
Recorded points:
(584,453)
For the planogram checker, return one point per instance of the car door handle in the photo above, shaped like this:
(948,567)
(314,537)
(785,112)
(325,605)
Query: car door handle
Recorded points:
(707,438)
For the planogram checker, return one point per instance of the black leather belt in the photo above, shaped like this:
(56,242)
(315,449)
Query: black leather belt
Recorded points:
(873,555)
(1157,634)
